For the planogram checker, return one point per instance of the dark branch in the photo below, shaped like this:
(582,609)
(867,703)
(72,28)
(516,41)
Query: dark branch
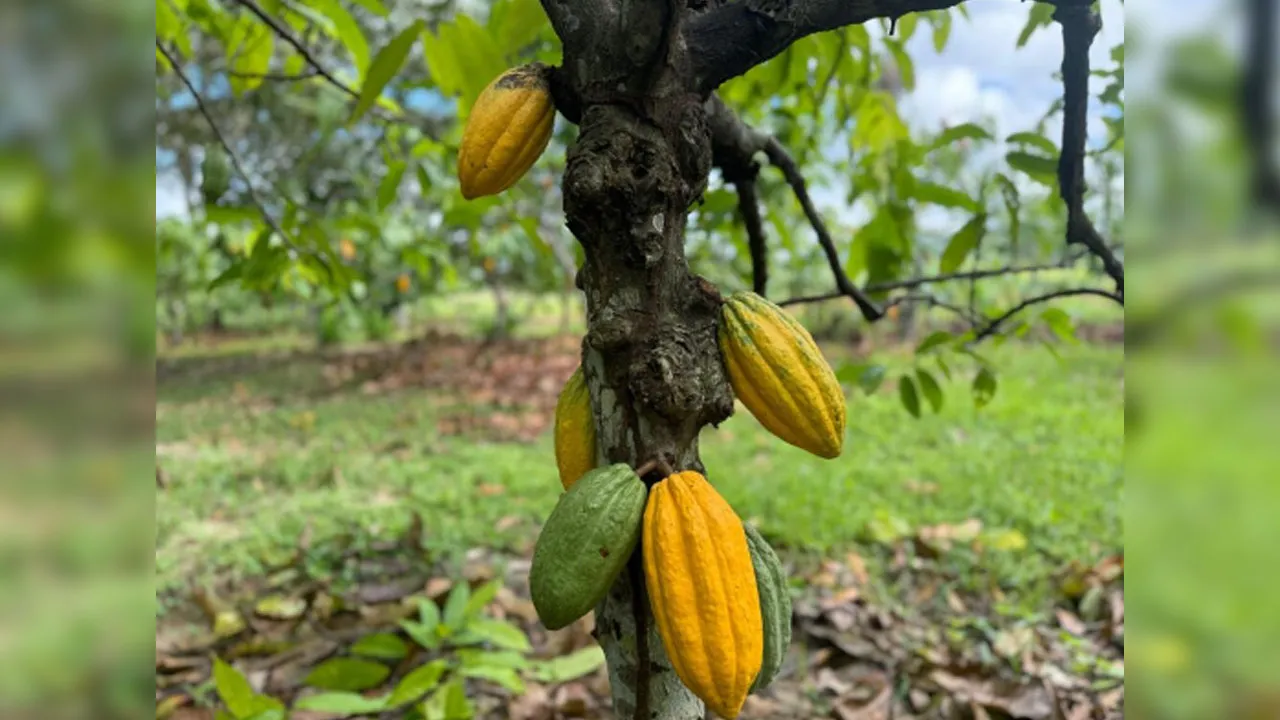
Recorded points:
(734,143)
(932,301)
(283,33)
(276,77)
(729,40)
(749,206)
(1146,329)
(226,146)
(779,156)
(1079,26)
(1257,91)
(932,279)
(994,325)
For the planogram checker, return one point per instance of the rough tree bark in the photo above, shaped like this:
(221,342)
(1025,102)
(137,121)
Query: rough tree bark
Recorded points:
(641,160)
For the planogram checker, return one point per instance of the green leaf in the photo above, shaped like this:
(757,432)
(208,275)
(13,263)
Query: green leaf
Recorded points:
(381,645)
(963,131)
(1038,167)
(908,395)
(428,613)
(931,389)
(935,339)
(941,21)
(234,689)
(515,24)
(906,68)
(502,658)
(373,6)
(984,387)
(347,674)
(249,52)
(478,58)
(449,703)
(385,66)
(455,607)
(419,682)
(1041,15)
(570,667)
(1060,322)
(499,633)
(423,634)
(342,703)
(506,677)
(942,195)
(390,184)
(1035,140)
(486,593)
(348,32)
(962,243)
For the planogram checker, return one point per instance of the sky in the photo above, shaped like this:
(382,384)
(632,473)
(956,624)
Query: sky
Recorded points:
(981,74)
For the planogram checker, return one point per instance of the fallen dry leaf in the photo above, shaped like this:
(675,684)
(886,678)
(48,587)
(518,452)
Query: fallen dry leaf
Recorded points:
(573,700)
(506,522)
(1069,622)
(534,704)
(842,597)
(438,587)
(877,709)
(1020,700)
(858,566)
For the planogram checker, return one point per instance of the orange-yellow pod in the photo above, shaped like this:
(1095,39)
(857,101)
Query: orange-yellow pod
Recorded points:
(508,129)
(702,588)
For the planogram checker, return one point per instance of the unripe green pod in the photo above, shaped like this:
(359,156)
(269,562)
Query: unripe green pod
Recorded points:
(586,543)
(775,606)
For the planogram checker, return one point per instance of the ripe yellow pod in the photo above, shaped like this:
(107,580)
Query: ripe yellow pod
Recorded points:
(507,130)
(575,431)
(702,588)
(780,375)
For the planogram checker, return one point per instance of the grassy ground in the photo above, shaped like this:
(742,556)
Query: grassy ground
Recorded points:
(253,457)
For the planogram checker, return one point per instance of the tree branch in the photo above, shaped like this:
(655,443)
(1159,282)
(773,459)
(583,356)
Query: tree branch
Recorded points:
(277,77)
(1079,26)
(994,325)
(729,40)
(916,282)
(283,33)
(226,146)
(733,143)
(749,206)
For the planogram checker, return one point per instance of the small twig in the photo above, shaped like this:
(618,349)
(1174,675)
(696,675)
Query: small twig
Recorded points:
(994,325)
(226,146)
(916,282)
(278,77)
(1079,26)
(648,467)
(284,34)
(779,156)
(749,206)
(664,468)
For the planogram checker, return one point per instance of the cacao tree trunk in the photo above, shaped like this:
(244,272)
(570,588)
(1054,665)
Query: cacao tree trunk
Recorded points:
(650,356)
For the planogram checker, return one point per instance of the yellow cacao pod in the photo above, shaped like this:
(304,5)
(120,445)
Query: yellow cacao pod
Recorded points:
(575,431)
(702,587)
(780,375)
(508,128)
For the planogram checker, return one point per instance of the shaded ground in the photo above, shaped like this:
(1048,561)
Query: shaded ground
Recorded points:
(963,560)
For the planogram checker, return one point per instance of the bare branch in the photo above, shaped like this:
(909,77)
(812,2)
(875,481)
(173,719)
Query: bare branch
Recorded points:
(734,143)
(1079,26)
(733,38)
(932,301)
(749,206)
(226,146)
(1145,329)
(994,325)
(283,33)
(916,282)
(276,77)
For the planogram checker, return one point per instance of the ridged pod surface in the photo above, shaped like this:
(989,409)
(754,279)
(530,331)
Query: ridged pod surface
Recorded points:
(702,588)
(507,130)
(575,431)
(780,375)
(585,543)
(775,606)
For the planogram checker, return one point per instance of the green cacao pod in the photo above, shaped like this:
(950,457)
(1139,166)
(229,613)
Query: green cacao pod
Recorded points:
(778,372)
(585,543)
(575,431)
(775,606)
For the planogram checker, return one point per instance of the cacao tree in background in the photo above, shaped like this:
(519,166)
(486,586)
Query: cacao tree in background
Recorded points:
(660,94)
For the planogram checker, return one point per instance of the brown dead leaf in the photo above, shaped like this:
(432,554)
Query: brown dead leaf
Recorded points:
(168,706)
(512,604)
(386,592)
(490,489)
(955,603)
(1068,621)
(844,597)
(573,700)
(877,709)
(842,619)
(819,657)
(1109,568)
(917,487)
(1020,700)
(506,522)
(858,567)
(534,704)
(829,682)
(761,707)
(438,587)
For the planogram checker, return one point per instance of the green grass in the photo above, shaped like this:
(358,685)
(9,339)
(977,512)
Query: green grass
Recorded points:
(253,461)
